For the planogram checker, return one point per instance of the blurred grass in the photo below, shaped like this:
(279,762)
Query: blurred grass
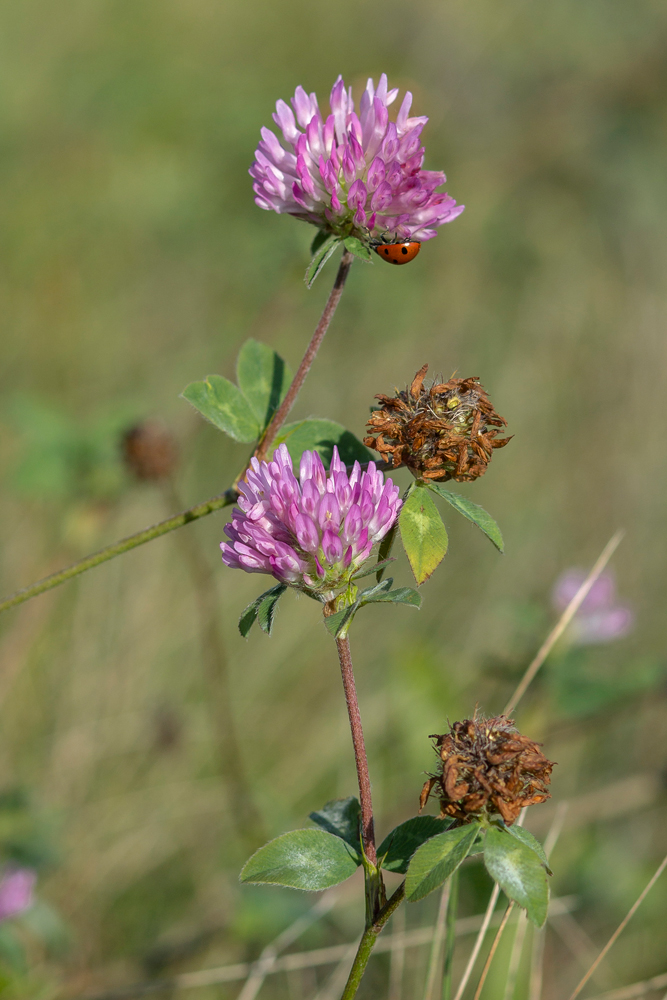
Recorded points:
(135,261)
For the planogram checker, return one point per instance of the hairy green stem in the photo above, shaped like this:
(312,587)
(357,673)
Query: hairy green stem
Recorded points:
(215,503)
(280,415)
(367,943)
(363,776)
(118,548)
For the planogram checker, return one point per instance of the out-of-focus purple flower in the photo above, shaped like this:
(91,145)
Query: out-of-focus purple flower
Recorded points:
(600,618)
(312,533)
(16,891)
(352,175)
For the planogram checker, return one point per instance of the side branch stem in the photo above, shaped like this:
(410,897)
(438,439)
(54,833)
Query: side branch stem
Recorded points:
(225,499)
(367,943)
(118,548)
(363,777)
(280,415)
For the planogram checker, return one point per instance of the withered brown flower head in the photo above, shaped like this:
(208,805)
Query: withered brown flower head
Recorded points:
(448,431)
(487,767)
(150,451)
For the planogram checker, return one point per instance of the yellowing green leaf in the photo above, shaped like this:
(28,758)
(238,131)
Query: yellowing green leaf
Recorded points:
(423,534)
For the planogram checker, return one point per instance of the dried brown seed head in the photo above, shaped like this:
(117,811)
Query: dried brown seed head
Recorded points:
(486,767)
(150,451)
(446,431)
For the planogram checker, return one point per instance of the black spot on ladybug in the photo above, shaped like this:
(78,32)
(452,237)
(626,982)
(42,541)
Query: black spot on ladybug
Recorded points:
(404,249)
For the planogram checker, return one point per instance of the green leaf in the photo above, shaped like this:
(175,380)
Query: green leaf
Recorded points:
(423,534)
(321,436)
(356,247)
(262,608)
(402,595)
(527,838)
(519,872)
(473,512)
(435,860)
(386,545)
(263,378)
(342,818)
(377,567)
(398,847)
(381,593)
(321,237)
(302,859)
(223,403)
(318,262)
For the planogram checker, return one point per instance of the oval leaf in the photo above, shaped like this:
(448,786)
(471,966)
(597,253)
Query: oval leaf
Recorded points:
(473,512)
(322,255)
(223,403)
(263,378)
(435,860)
(342,817)
(321,436)
(302,859)
(519,872)
(398,847)
(423,534)
(263,607)
(356,247)
(530,841)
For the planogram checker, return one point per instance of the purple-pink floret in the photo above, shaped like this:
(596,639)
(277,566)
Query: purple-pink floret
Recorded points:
(314,532)
(352,174)
(16,891)
(600,618)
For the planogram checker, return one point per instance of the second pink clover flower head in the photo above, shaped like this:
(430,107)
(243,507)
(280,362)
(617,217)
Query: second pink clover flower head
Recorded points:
(16,891)
(600,618)
(352,174)
(314,532)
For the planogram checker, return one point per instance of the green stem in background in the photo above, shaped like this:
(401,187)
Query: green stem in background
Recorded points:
(450,935)
(367,943)
(225,499)
(243,813)
(118,548)
(280,415)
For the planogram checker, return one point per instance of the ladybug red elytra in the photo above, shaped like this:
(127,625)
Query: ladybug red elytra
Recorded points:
(398,253)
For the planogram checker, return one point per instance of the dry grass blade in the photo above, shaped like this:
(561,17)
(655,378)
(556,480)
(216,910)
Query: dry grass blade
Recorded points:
(267,959)
(564,621)
(621,927)
(436,947)
(635,990)
(494,947)
(515,956)
(537,960)
(397,955)
(479,942)
(336,983)
(297,961)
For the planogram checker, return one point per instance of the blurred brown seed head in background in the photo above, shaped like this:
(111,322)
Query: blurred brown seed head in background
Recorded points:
(448,431)
(487,767)
(150,451)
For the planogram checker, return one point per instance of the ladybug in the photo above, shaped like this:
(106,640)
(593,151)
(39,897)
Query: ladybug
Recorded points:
(398,253)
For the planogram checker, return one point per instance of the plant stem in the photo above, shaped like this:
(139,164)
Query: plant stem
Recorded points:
(367,943)
(118,548)
(215,503)
(280,415)
(363,777)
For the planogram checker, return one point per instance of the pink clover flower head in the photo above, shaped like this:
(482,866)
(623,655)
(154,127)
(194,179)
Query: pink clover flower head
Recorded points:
(352,174)
(314,532)
(16,891)
(600,618)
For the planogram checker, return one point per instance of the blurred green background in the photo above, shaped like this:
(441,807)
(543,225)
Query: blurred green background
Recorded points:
(135,261)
